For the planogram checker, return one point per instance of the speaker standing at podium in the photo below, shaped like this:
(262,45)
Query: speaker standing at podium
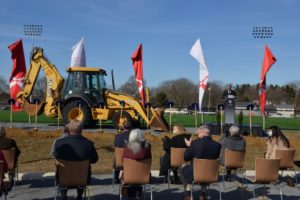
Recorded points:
(229,91)
(229,97)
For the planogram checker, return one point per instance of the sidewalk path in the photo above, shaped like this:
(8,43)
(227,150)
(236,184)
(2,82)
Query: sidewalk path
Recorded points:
(41,186)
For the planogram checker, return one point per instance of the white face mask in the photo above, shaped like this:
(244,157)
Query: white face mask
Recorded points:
(270,133)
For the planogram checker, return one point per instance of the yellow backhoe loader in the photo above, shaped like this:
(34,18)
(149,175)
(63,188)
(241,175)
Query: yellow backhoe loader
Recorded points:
(84,96)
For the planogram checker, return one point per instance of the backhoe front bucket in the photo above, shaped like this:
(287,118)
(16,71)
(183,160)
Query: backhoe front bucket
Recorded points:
(158,122)
(33,109)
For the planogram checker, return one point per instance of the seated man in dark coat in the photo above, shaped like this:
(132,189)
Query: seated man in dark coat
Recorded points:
(233,142)
(204,147)
(75,147)
(5,144)
(176,141)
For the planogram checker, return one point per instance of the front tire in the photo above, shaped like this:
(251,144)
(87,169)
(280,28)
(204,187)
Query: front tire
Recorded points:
(71,111)
(119,121)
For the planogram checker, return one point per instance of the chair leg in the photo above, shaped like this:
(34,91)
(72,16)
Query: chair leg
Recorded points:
(220,193)
(296,179)
(169,178)
(151,194)
(223,181)
(280,193)
(113,179)
(253,193)
(144,190)
(55,189)
(120,191)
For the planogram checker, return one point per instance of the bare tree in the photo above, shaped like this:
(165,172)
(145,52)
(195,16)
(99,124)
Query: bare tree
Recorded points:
(213,97)
(4,90)
(3,84)
(182,91)
(130,87)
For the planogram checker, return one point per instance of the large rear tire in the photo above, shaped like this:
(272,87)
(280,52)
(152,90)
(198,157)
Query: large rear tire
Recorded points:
(71,112)
(119,121)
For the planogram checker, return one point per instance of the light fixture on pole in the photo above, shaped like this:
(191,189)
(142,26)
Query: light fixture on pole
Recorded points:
(263,32)
(122,104)
(100,106)
(170,105)
(58,104)
(221,110)
(195,107)
(250,108)
(36,102)
(33,31)
(147,106)
(11,102)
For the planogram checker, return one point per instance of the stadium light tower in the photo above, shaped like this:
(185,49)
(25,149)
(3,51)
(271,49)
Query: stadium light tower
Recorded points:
(262,32)
(33,30)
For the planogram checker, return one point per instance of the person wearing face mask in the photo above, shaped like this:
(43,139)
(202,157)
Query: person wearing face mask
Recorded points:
(275,141)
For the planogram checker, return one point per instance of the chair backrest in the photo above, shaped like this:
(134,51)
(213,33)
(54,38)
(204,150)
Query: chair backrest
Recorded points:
(234,159)
(136,172)
(73,173)
(119,157)
(177,157)
(1,173)
(286,158)
(206,171)
(9,155)
(266,170)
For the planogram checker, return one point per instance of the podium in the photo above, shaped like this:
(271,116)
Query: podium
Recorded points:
(229,107)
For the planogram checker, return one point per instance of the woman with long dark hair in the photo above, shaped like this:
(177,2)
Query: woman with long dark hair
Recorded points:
(276,140)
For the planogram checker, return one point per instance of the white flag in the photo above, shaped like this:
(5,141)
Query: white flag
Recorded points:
(78,54)
(197,53)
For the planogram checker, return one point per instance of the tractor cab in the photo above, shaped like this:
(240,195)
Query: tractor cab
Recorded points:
(84,82)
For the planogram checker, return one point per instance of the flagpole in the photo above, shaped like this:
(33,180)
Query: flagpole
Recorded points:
(221,113)
(250,117)
(196,121)
(264,121)
(11,108)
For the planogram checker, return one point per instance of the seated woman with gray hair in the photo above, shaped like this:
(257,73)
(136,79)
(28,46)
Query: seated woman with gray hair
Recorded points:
(233,142)
(137,148)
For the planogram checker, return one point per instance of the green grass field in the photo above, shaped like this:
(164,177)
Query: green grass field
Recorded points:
(283,123)
(185,120)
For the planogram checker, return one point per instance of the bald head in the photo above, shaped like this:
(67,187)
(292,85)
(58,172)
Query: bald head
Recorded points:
(75,127)
(234,130)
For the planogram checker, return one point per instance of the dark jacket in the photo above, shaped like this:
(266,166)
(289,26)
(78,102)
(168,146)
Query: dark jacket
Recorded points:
(75,148)
(227,92)
(143,154)
(120,139)
(233,142)
(8,143)
(201,148)
(176,141)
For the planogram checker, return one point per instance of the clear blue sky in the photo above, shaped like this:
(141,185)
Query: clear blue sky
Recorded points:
(167,29)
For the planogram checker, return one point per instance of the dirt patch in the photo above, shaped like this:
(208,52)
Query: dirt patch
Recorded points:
(35,147)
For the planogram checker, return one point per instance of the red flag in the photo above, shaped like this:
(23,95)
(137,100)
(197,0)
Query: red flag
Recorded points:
(269,60)
(18,71)
(137,59)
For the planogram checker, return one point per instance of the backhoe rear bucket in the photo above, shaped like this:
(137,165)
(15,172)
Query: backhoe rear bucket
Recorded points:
(33,109)
(158,122)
